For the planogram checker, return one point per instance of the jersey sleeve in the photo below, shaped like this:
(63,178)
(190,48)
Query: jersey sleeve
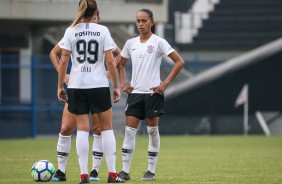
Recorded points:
(125,50)
(115,48)
(165,47)
(109,43)
(60,43)
(65,42)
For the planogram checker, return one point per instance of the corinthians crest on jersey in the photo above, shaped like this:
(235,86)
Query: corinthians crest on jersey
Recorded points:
(150,48)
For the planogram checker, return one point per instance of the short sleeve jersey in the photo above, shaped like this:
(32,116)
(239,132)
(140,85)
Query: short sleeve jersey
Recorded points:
(146,61)
(60,43)
(87,43)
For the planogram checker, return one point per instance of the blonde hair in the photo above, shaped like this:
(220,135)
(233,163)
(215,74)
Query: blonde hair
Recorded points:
(86,10)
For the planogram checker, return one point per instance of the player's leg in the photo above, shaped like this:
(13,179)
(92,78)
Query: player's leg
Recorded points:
(128,145)
(134,113)
(109,144)
(102,106)
(82,145)
(153,147)
(79,105)
(64,144)
(97,151)
(154,108)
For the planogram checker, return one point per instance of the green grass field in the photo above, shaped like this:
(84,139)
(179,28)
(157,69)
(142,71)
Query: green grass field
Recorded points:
(182,159)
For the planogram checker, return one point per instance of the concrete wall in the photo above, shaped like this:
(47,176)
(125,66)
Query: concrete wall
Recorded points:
(51,10)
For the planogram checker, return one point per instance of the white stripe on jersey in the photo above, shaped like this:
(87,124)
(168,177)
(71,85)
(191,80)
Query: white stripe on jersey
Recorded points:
(146,61)
(87,43)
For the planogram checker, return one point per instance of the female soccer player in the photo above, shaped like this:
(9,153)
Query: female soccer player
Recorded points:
(145,92)
(88,87)
(69,124)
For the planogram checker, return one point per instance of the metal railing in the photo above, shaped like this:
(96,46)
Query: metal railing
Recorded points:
(36,105)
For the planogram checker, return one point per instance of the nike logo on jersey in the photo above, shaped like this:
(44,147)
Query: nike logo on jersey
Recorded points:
(156,111)
(134,49)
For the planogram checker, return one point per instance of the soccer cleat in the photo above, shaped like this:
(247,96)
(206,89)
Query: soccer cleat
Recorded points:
(114,178)
(94,175)
(84,179)
(59,176)
(148,176)
(124,175)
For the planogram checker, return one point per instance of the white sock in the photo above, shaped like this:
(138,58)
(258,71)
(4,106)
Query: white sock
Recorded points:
(82,148)
(153,147)
(97,152)
(63,150)
(128,147)
(109,148)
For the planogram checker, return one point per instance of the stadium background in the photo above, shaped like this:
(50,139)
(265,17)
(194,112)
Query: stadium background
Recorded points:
(209,34)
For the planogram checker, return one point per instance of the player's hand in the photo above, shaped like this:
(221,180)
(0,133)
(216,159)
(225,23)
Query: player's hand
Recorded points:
(117,95)
(62,96)
(159,89)
(127,89)
(67,78)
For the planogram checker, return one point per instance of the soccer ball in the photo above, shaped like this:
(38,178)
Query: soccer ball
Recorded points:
(43,170)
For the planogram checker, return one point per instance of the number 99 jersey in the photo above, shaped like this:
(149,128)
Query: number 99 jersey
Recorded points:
(87,43)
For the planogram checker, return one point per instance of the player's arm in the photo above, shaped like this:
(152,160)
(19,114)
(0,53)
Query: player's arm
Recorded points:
(54,56)
(113,72)
(116,54)
(121,70)
(179,63)
(122,76)
(64,60)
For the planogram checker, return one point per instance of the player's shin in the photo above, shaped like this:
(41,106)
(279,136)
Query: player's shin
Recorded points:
(82,148)
(97,152)
(63,150)
(153,147)
(128,147)
(109,149)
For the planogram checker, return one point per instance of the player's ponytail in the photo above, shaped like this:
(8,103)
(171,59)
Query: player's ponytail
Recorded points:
(86,10)
(153,29)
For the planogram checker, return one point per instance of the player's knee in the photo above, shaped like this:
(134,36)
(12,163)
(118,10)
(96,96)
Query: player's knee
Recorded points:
(153,130)
(130,132)
(66,131)
(96,130)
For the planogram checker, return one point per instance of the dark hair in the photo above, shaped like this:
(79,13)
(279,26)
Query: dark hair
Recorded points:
(91,7)
(150,13)
(85,10)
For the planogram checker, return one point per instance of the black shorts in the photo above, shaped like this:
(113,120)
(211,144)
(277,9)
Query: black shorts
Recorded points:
(144,105)
(83,101)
